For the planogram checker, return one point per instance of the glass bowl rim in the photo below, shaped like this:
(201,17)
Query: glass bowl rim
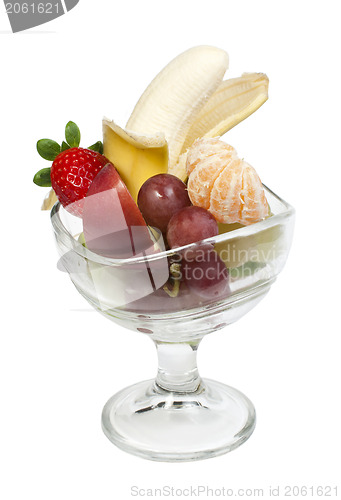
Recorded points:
(72,244)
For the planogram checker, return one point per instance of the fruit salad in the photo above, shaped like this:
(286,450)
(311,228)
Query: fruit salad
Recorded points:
(167,182)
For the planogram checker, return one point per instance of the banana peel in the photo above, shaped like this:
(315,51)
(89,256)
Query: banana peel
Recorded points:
(136,157)
(235,100)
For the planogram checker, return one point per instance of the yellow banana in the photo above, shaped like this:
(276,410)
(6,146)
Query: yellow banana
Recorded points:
(136,157)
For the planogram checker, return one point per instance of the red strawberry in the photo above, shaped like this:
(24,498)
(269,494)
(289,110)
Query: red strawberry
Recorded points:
(73,168)
(72,172)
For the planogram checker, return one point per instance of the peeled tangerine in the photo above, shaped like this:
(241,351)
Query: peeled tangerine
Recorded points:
(224,184)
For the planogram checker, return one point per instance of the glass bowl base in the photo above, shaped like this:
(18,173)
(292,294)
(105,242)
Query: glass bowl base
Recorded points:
(160,425)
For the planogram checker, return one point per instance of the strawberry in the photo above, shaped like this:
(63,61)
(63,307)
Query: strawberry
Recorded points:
(72,172)
(73,168)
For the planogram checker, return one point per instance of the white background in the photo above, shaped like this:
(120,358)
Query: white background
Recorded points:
(60,361)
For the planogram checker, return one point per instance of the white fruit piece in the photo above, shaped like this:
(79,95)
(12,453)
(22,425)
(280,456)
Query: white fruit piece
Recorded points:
(49,200)
(179,169)
(176,95)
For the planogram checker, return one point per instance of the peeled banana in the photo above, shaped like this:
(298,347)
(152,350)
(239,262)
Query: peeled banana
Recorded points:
(179,169)
(176,95)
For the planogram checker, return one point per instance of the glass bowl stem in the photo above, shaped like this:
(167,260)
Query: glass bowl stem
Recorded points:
(177,366)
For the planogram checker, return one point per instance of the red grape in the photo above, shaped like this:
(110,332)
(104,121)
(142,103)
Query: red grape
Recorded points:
(189,225)
(160,197)
(207,277)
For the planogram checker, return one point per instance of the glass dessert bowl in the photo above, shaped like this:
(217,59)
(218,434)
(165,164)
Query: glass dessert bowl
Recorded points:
(179,416)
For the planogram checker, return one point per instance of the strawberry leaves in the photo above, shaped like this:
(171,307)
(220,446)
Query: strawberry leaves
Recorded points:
(98,146)
(48,149)
(43,177)
(65,146)
(72,135)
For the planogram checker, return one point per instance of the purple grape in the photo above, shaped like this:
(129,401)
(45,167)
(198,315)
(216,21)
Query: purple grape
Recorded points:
(207,276)
(160,197)
(189,225)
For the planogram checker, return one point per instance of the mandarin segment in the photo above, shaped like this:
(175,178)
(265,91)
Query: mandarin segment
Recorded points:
(225,200)
(255,205)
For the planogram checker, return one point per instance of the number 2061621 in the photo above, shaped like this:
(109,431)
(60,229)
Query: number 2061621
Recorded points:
(32,8)
(311,491)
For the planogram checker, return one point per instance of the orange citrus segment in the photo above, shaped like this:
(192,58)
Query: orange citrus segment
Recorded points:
(255,205)
(225,200)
